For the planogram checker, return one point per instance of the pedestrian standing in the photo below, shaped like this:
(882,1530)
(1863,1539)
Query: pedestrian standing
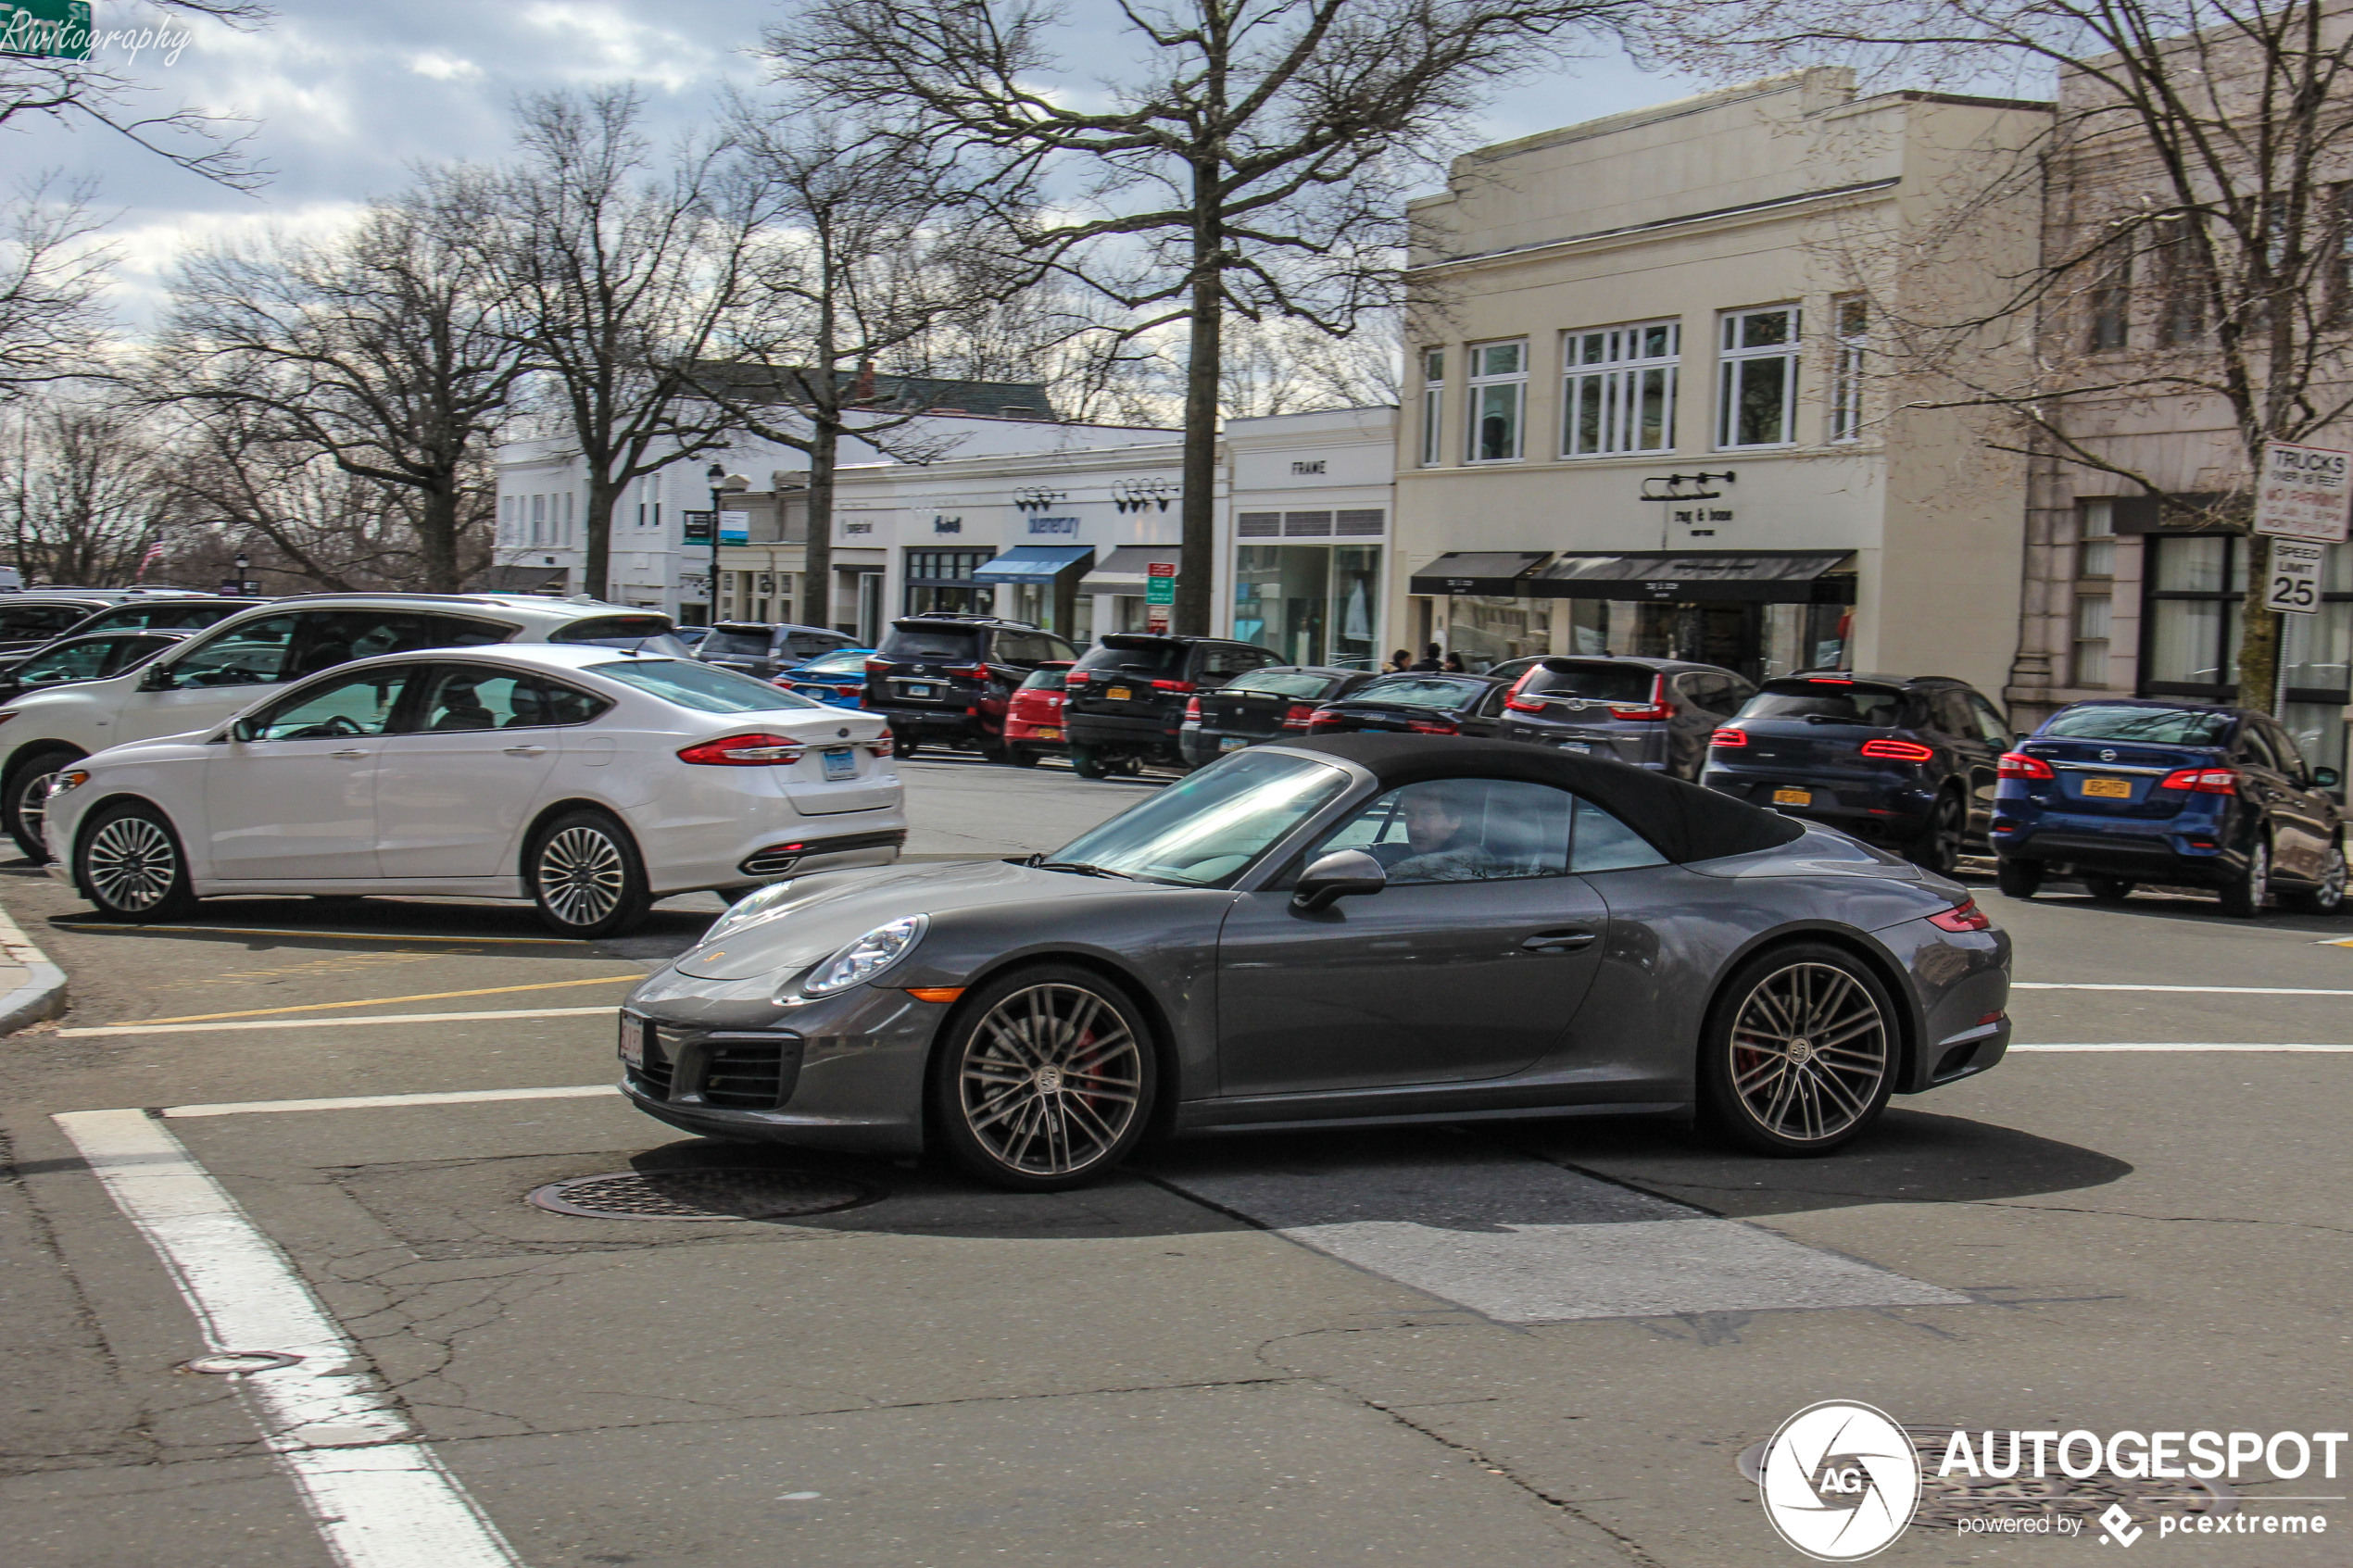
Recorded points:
(1399,662)
(1430,660)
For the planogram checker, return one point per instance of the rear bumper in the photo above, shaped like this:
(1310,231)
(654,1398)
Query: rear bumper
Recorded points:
(933,723)
(1887,816)
(1104,729)
(1643,747)
(2140,857)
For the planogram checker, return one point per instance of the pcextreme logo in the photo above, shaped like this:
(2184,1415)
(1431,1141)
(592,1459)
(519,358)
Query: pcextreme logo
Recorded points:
(1841,1481)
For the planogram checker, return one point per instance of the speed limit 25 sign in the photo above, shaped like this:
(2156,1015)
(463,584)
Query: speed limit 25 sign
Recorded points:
(2293,582)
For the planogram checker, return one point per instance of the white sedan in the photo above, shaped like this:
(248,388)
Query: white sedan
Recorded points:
(589,781)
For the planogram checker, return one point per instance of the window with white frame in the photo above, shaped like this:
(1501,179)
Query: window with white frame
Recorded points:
(2095,591)
(1433,407)
(1852,316)
(1498,400)
(1617,389)
(1757,353)
(505,519)
(539,520)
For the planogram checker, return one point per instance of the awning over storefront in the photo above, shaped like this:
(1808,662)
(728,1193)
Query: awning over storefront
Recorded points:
(1757,576)
(1501,573)
(1123,572)
(1036,565)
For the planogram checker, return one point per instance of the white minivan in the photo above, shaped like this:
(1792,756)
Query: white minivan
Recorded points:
(234,664)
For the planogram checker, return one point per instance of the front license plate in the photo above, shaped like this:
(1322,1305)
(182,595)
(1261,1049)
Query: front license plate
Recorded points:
(633,1041)
(1119,693)
(2109,789)
(841,762)
(1792,798)
(915,689)
(1232,743)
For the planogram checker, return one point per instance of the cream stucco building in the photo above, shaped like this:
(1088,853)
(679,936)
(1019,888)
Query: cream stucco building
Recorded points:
(1643,409)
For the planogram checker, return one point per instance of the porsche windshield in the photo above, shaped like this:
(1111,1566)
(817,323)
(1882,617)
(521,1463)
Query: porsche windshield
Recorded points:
(1202,832)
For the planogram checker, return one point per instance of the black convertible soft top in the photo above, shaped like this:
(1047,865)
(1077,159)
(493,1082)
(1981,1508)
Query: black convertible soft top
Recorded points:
(1682,822)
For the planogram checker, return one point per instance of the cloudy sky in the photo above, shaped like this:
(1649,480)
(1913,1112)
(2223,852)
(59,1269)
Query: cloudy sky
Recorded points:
(346,94)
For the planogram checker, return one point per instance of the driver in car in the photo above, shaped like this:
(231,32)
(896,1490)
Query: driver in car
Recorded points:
(1443,848)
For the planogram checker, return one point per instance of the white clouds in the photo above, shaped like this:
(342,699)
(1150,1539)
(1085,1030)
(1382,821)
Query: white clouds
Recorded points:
(604,43)
(445,67)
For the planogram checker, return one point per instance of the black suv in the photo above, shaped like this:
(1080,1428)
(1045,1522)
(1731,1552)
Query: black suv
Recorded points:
(765,652)
(1126,698)
(944,679)
(1908,761)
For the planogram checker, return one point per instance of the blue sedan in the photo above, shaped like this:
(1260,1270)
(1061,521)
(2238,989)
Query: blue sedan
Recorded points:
(837,678)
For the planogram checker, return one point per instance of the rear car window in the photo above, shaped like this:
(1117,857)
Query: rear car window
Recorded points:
(39,620)
(2152,726)
(1151,661)
(1282,682)
(728,639)
(950,644)
(1607,682)
(1046,681)
(704,688)
(851,663)
(1879,706)
(613,631)
(1418,691)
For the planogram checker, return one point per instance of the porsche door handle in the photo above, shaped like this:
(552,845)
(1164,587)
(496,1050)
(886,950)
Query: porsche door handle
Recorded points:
(527,751)
(1558,941)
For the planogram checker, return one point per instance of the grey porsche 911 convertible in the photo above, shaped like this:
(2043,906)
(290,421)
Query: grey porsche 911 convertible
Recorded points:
(1354,930)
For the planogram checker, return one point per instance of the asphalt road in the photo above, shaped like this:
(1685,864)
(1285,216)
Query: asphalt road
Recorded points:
(1540,1342)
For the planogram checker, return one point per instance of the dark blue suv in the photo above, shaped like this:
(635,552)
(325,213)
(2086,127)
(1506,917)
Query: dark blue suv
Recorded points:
(1907,761)
(2121,791)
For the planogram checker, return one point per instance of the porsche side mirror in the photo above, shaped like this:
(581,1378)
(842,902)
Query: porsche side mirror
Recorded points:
(2326,778)
(1344,874)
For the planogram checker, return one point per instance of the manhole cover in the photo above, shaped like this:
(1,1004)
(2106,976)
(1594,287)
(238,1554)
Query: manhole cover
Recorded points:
(714,1193)
(1946,1500)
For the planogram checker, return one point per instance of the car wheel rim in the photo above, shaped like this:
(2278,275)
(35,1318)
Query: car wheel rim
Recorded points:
(32,806)
(581,876)
(1051,1080)
(132,864)
(1809,1051)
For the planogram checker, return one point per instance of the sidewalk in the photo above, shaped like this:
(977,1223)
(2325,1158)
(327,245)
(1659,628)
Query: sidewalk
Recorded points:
(31,988)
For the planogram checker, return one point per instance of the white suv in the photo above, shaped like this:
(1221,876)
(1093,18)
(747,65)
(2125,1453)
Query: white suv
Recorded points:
(239,662)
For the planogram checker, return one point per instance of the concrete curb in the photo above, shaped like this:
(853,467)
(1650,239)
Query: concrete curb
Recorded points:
(41,994)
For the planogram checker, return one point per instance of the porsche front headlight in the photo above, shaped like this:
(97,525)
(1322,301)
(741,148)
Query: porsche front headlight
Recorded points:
(866,958)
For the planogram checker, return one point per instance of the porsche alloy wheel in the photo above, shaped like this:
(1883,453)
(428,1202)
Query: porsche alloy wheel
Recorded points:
(1802,1056)
(585,878)
(1046,1081)
(130,865)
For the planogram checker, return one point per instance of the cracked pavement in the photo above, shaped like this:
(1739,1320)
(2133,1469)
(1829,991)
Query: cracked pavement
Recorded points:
(1125,1375)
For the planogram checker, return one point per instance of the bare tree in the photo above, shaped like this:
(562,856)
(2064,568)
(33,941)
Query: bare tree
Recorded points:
(53,269)
(870,276)
(305,522)
(391,351)
(626,272)
(85,493)
(1282,367)
(50,69)
(1254,162)
(2194,277)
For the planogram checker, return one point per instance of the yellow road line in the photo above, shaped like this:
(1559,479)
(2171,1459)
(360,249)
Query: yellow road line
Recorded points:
(383,1001)
(339,936)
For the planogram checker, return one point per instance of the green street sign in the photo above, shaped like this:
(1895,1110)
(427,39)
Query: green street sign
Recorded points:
(58,29)
(1160,590)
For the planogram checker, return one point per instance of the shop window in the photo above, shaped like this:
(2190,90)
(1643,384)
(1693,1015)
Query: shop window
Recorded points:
(1486,632)
(1498,400)
(940,581)
(1307,525)
(1617,390)
(1310,604)
(1258,525)
(1757,400)
(1360,522)
(1852,313)
(1433,407)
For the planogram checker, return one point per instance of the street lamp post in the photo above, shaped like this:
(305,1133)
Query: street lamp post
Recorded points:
(722,483)
(242,562)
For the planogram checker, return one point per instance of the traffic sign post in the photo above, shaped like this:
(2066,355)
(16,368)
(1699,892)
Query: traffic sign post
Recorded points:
(2292,585)
(2302,493)
(1160,594)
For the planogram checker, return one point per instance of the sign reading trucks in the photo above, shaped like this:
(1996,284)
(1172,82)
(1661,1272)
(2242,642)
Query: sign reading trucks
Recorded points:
(2302,493)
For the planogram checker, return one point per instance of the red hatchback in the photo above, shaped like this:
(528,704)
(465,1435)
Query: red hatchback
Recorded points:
(1034,717)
